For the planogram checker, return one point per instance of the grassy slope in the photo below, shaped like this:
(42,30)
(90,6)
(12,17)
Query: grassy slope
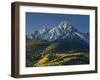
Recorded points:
(62,59)
(51,58)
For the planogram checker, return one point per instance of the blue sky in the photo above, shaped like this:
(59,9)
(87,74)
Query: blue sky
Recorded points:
(36,21)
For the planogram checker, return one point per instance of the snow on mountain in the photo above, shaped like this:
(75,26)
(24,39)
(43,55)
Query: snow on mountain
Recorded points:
(81,36)
(63,30)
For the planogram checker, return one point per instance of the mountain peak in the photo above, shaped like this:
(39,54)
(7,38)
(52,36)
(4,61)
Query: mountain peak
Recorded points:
(67,26)
(44,30)
(64,24)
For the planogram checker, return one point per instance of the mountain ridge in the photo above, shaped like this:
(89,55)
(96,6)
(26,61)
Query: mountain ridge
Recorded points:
(61,31)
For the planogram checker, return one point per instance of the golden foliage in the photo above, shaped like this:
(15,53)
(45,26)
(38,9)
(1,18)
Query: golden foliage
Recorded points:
(60,58)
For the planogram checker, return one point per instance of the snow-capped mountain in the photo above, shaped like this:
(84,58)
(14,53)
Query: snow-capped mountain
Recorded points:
(64,30)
